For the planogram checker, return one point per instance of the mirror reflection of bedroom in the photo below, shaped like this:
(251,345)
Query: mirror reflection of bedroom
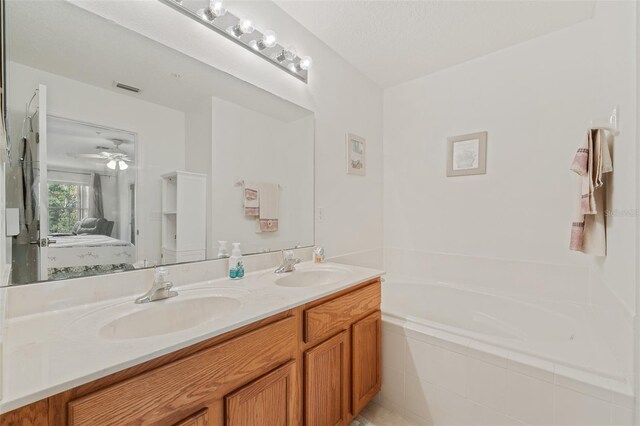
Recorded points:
(127,154)
(91,181)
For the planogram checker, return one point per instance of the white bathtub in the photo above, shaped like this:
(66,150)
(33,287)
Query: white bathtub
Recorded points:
(447,333)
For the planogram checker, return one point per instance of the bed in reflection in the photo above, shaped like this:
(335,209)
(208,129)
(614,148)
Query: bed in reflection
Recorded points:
(88,250)
(81,255)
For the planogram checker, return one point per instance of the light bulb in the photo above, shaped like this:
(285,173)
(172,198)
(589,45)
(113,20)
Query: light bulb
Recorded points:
(217,7)
(290,53)
(215,10)
(123,165)
(305,63)
(269,38)
(112,164)
(246,26)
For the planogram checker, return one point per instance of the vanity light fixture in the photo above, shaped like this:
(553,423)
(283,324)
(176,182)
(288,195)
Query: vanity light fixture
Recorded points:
(213,11)
(269,39)
(286,54)
(244,26)
(305,63)
(214,15)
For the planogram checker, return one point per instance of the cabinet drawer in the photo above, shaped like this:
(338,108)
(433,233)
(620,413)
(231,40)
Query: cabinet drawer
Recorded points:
(336,314)
(167,394)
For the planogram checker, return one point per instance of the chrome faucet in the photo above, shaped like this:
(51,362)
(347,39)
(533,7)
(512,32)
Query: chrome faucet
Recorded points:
(160,289)
(288,262)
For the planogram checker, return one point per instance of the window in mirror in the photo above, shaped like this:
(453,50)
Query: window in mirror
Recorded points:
(68,203)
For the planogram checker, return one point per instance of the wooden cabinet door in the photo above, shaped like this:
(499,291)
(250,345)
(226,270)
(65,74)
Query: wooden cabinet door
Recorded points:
(201,418)
(366,339)
(325,378)
(269,401)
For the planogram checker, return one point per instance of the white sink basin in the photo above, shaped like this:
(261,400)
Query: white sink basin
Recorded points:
(169,316)
(312,277)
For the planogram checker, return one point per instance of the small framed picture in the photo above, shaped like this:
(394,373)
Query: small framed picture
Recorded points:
(467,154)
(356,155)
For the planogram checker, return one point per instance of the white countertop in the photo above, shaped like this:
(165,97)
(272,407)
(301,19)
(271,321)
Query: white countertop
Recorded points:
(48,353)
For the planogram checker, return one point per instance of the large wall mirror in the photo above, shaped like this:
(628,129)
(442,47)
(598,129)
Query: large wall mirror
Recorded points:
(126,154)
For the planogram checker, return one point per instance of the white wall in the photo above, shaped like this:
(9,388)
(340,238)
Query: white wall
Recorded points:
(255,147)
(160,135)
(535,100)
(342,99)
(198,152)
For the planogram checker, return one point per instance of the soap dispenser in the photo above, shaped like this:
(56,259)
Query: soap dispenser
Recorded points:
(318,255)
(223,250)
(236,264)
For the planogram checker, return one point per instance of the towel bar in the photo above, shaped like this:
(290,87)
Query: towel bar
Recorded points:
(240,182)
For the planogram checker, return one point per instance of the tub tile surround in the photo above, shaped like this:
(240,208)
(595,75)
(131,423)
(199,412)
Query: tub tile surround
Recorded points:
(50,349)
(500,389)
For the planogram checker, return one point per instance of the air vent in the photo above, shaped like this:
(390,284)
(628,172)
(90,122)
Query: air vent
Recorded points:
(127,87)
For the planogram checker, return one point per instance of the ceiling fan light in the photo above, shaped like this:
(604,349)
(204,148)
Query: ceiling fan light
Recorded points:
(123,165)
(112,164)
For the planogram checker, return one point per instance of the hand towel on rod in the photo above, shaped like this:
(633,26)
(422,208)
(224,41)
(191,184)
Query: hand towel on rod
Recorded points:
(269,197)
(251,199)
(591,162)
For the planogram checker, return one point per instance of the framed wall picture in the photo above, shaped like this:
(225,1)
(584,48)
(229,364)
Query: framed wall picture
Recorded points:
(356,155)
(467,154)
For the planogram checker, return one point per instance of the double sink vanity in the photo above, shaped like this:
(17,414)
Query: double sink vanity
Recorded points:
(274,349)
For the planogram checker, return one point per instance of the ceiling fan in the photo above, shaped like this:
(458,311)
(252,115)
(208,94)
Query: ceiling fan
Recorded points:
(116,158)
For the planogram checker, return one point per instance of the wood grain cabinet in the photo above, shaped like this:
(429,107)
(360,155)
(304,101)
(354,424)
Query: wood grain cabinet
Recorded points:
(201,418)
(342,358)
(269,401)
(314,365)
(325,379)
(366,363)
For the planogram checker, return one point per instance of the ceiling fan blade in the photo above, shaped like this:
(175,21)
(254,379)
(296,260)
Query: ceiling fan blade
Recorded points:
(89,156)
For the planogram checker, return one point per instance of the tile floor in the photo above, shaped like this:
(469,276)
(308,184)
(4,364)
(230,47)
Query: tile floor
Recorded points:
(376,415)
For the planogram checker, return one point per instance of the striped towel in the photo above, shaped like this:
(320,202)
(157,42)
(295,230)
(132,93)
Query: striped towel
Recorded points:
(251,199)
(591,162)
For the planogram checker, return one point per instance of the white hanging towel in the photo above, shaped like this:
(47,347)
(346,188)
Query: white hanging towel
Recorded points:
(269,198)
(591,162)
(251,199)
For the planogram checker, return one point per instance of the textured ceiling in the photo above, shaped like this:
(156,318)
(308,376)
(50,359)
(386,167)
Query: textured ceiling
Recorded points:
(396,41)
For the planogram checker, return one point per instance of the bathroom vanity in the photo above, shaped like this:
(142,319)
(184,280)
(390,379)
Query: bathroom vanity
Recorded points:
(316,363)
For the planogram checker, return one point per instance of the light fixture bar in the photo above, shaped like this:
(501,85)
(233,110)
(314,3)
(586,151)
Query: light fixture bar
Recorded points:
(230,26)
